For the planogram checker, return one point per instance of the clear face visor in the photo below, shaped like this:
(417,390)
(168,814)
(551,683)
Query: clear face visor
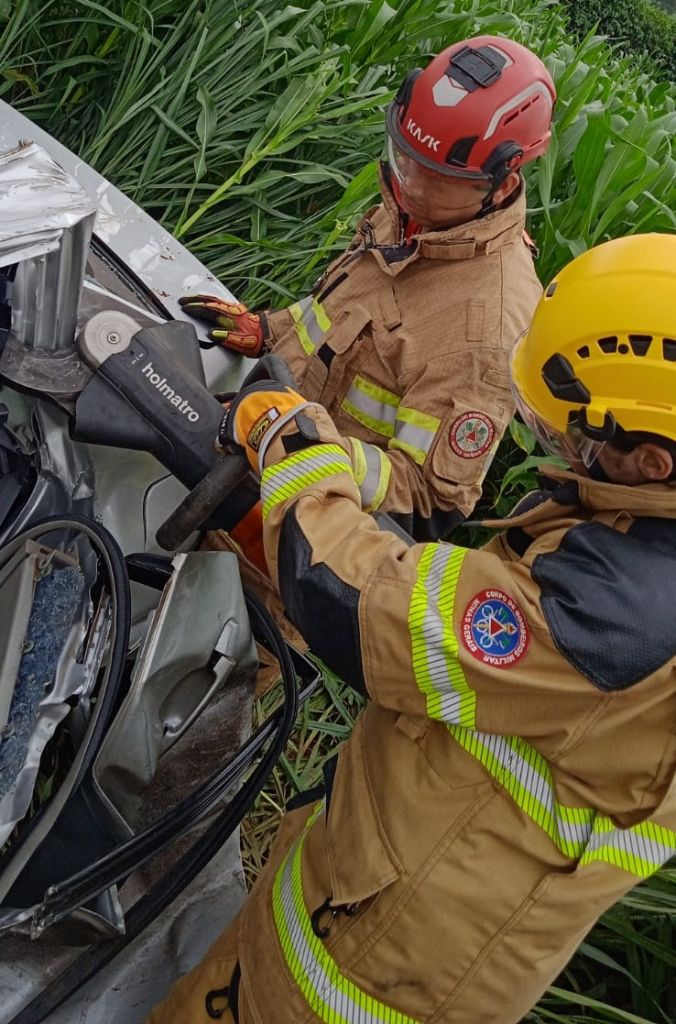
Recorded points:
(403,164)
(572,446)
(397,159)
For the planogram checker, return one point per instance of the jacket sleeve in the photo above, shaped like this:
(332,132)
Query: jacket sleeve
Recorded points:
(432,630)
(452,415)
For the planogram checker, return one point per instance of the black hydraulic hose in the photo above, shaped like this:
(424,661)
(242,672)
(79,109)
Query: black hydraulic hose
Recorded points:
(166,889)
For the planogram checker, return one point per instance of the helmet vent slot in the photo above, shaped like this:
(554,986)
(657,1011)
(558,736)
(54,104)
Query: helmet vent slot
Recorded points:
(640,343)
(669,349)
(559,376)
(459,152)
(608,344)
(583,352)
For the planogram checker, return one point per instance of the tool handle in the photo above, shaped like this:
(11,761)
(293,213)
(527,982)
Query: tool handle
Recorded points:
(223,478)
(270,367)
(197,507)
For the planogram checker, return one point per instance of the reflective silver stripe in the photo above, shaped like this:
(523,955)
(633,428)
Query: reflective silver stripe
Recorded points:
(331,996)
(416,437)
(578,832)
(310,319)
(641,849)
(434,643)
(312,322)
(301,470)
(373,487)
(371,405)
(414,432)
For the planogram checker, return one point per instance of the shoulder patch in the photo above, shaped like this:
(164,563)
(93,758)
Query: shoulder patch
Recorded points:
(608,599)
(471,434)
(494,629)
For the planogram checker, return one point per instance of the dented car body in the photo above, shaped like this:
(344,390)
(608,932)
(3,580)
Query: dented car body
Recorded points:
(119,700)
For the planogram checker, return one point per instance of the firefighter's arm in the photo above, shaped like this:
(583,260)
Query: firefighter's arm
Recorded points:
(431,630)
(452,414)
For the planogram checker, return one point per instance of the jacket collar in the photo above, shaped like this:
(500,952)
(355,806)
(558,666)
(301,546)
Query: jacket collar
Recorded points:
(643,500)
(575,492)
(476,237)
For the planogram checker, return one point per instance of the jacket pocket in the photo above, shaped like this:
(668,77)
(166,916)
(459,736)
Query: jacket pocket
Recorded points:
(467,435)
(361,859)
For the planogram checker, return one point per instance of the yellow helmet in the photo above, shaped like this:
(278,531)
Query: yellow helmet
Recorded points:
(601,350)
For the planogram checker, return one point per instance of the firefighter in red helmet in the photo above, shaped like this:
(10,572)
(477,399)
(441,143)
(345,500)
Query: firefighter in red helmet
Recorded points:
(479,111)
(405,338)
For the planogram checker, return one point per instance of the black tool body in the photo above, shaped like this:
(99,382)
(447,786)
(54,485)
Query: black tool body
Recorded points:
(151,396)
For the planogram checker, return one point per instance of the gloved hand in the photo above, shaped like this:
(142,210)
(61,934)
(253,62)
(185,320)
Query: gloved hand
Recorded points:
(257,413)
(237,329)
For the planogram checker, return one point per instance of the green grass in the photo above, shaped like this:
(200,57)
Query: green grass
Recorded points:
(252,130)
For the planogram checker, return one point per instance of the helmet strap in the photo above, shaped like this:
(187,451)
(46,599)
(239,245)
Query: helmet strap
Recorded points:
(404,91)
(496,168)
(598,473)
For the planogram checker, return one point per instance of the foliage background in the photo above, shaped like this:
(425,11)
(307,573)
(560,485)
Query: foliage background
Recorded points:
(637,25)
(252,130)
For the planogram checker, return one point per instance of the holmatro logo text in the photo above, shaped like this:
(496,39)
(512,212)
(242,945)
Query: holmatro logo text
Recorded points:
(168,392)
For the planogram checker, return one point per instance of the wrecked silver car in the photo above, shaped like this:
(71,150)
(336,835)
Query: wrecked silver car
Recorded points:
(128,665)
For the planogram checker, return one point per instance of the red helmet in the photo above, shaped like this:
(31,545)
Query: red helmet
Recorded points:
(480,108)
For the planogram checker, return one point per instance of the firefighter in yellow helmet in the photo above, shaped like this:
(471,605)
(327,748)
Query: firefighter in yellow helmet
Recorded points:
(513,772)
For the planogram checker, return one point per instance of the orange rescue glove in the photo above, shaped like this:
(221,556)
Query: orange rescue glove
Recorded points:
(237,329)
(256,414)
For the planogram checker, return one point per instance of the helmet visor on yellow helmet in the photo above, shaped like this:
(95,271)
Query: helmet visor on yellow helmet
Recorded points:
(572,445)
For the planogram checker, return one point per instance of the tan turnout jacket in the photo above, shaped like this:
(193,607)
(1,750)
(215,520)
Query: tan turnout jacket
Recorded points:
(511,776)
(407,347)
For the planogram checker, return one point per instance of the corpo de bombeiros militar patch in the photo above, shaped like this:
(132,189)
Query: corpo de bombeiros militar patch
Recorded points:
(471,435)
(494,629)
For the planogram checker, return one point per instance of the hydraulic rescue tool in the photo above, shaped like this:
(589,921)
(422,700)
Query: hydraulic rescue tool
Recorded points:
(104,687)
(147,393)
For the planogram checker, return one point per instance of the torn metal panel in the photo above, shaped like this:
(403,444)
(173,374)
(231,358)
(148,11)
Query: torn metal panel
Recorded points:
(162,263)
(46,222)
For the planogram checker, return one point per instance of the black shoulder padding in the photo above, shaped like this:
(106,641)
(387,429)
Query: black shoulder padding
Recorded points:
(518,540)
(320,604)
(609,600)
(433,527)
(530,501)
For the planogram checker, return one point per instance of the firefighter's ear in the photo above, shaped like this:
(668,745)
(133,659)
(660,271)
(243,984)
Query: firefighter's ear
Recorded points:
(646,463)
(653,462)
(506,187)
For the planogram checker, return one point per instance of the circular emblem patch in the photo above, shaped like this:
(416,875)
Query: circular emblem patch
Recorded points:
(471,435)
(494,629)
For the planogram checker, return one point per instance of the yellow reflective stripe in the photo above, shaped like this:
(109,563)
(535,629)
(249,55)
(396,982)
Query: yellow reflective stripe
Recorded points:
(285,479)
(382,427)
(414,433)
(371,405)
(417,454)
(434,644)
(374,391)
(383,482)
(641,849)
(301,330)
(334,998)
(312,322)
(580,833)
(423,420)
(359,467)
(321,316)
(372,471)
